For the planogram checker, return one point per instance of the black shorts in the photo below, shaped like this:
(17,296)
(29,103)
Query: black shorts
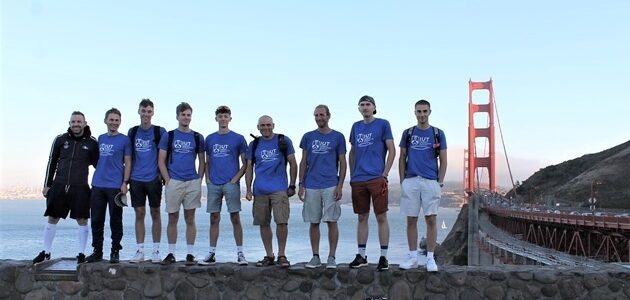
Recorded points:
(76,200)
(140,191)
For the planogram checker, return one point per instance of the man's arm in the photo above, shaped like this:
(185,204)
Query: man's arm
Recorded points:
(207,172)
(402,163)
(202,164)
(443,163)
(343,166)
(241,171)
(293,170)
(391,154)
(51,167)
(351,159)
(302,172)
(126,174)
(249,177)
(162,166)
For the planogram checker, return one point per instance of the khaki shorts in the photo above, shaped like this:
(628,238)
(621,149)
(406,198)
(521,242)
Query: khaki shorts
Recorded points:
(276,203)
(182,193)
(376,190)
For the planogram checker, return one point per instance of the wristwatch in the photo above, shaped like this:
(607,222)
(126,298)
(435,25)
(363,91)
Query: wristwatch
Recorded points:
(292,187)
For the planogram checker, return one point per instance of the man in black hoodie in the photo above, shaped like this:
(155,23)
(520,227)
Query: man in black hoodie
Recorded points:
(66,184)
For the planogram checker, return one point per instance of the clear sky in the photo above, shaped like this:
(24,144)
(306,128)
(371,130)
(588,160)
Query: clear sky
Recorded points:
(560,69)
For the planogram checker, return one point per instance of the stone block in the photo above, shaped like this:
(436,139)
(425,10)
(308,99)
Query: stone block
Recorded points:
(571,288)
(184,290)
(400,290)
(525,276)
(617,285)
(39,294)
(545,277)
(549,290)
(456,279)
(344,275)
(385,278)
(24,281)
(153,287)
(8,271)
(497,276)
(494,292)
(595,280)
(434,284)
(306,286)
(328,284)
(255,292)
(132,294)
(249,274)
(515,283)
(435,297)
(365,276)
(415,275)
(226,270)
(113,272)
(514,294)
(208,293)
(198,282)
(235,284)
(470,294)
(116,284)
(299,296)
(291,285)
(169,281)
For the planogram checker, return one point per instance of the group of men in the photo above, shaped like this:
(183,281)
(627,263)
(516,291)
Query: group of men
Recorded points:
(148,158)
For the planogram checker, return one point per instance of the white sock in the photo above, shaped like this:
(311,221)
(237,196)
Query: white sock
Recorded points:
(362,250)
(171,248)
(384,251)
(191,248)
(83,236)
(213,249)
(413,254)
(239,249)
(49,235)
(141,247)
(429,255)
(156,247)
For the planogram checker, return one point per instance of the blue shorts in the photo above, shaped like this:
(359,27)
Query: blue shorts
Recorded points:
(232,194)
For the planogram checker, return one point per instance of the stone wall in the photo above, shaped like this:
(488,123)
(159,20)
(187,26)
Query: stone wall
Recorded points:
(229,281)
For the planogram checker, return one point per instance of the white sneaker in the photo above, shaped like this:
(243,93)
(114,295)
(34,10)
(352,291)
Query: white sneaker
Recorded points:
(241,259)
(156,258)
(138,257)
(431,265)
(410,263)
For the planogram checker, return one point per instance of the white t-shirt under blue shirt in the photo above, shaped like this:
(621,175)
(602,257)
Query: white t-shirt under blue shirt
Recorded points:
(270,167)
(182,166)
(111,160)
(421,160)
(145,165)
(223,151)
(370,149)
(322,158)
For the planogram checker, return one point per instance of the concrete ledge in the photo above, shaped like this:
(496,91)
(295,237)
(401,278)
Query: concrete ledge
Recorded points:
(229,281)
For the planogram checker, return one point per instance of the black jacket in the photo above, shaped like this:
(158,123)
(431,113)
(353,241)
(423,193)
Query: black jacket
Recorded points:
(70,158)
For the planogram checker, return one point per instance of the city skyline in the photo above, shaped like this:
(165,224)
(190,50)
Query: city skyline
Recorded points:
(559,70)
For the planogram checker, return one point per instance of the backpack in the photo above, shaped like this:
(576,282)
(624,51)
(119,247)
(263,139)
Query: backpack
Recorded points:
(282,145)
(169,146)
(132,138)
(436,133)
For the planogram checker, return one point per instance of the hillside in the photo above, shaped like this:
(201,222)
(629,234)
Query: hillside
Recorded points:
(570,182)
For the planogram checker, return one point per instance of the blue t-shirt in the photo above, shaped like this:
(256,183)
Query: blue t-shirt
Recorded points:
(322,158)
(223,153)
(270,167)
(111,161)
(370,149)
(182,166)
(145,165)
(421,160)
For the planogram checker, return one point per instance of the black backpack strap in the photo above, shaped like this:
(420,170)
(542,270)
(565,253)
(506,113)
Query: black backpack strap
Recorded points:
(254,146)
(156,135)
(283,147)
(436,133)
(169,147)
(132,138)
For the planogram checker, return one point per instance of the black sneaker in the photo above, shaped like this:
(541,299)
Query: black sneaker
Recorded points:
(383,264)
(114,257)
(169,259)
(42,256)
(94,257)
(190,260)
(358,262)
(80,258)
(209,260)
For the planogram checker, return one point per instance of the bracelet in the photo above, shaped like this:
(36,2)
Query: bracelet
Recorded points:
(292,187)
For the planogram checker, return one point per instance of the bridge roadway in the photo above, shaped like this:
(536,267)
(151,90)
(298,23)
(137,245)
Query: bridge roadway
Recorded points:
(499,242)
(587,220)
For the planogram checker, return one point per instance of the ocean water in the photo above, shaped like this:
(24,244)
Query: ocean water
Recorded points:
(22,223)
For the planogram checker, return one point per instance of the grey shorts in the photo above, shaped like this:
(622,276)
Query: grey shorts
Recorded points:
(320,206)
(232,194)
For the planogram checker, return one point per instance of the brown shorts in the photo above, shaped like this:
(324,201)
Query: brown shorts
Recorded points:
(276,203)
(375,189)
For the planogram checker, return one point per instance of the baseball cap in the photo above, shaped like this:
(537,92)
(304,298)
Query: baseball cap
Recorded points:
(121,199)
(367,98)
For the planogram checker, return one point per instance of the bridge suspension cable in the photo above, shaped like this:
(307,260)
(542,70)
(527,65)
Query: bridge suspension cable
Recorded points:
(507,160)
